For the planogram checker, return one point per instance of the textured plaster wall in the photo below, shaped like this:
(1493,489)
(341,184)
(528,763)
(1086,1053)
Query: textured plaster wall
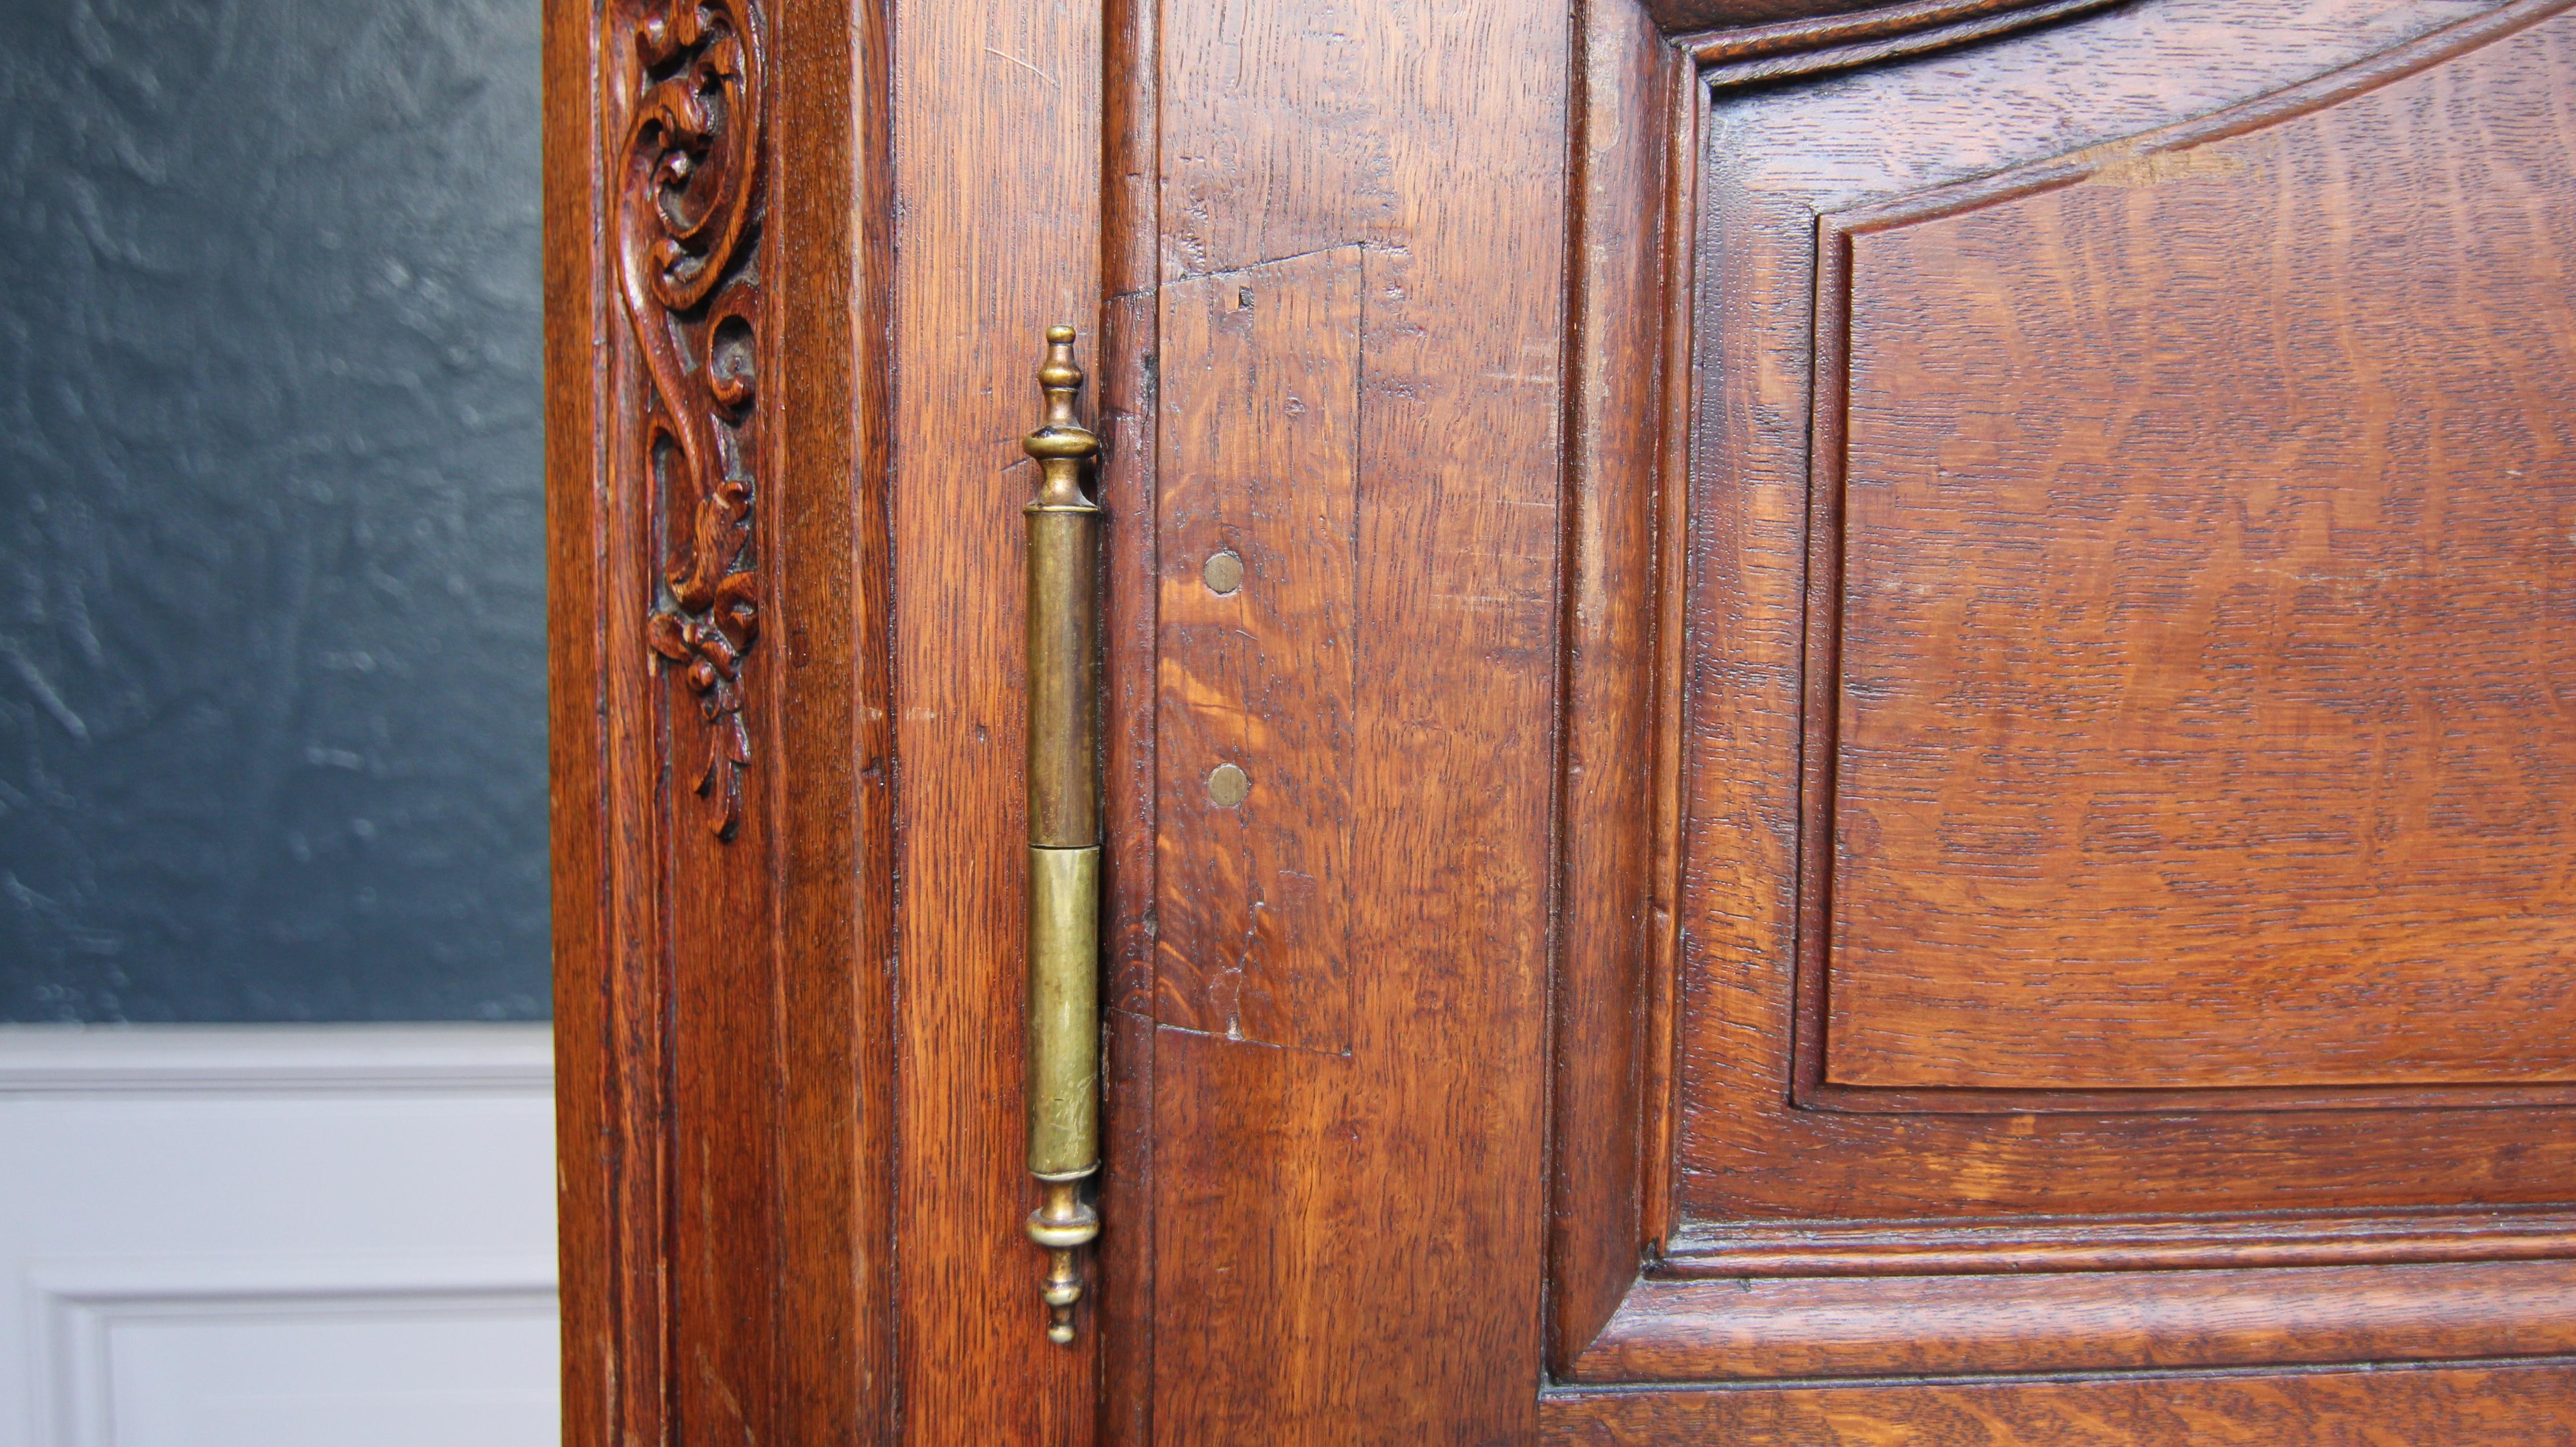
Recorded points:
(272,669)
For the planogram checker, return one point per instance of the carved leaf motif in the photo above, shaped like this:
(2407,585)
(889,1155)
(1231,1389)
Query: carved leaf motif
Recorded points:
(688,216)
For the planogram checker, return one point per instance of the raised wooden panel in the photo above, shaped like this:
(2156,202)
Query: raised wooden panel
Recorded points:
(2117,263)
(2158,410)
(2207,552)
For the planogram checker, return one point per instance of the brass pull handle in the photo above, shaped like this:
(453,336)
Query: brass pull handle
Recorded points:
(1064,836)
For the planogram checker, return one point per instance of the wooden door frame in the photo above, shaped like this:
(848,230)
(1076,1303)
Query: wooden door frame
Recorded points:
(788,1040)
(724,1020)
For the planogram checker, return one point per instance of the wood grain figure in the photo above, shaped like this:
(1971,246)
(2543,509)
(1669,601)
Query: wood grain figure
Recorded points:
(1821,723)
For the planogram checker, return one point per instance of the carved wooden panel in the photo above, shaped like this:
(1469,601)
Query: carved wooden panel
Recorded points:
(688,203)
(662,997)
(721,720)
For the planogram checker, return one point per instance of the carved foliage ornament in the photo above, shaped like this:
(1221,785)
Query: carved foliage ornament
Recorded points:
(688,205)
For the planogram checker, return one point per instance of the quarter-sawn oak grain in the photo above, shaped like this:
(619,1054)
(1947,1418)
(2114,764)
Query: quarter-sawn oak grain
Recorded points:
(997,186)
(1365,1220)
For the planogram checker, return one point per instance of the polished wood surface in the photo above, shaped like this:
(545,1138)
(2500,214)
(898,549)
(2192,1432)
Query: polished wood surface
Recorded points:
(1998,1324)
(2205,569)
(1259,551)
(1734,1250)
(1129,367)
(717,645)
(836,923)
(1614,770)
(2161,1216)
(1687,16)
(590,1133)
(1345,1193)
(996,220)
(1760,876)
(1635,993)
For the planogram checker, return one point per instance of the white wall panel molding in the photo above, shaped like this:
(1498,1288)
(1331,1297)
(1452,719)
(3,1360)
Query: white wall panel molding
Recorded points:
(277,1236)
(326,1059)
(143,1350)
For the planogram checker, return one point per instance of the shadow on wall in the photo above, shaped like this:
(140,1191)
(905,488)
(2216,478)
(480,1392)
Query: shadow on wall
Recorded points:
(272,657)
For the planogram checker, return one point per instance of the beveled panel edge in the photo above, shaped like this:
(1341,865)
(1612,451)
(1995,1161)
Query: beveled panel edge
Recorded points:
(2026,1244)
(1810,1090)
(2470,32)
(1766,54)
(1616,822)
(1832,28)
(1803,24)
(2511,1402)
(2179,1100)
(2016,1324)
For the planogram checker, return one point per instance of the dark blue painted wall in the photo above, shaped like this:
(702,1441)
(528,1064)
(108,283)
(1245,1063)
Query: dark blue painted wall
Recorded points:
(272,668)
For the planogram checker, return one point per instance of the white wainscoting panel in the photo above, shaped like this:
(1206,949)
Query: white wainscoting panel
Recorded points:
(296,1236)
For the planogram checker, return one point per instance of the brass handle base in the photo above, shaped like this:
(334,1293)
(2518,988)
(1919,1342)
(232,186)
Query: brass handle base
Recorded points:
(1064,1224)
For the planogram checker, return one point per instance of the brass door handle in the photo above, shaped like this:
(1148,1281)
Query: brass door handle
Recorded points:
(1064,835)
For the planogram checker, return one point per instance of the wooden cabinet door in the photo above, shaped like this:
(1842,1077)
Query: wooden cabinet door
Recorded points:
(1820,725)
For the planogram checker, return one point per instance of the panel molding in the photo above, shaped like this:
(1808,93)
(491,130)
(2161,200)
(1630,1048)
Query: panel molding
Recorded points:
(1763,55)
(56,1060)
(2445,1283)
(1619,824)
(2530,1403)
(389,1176)
(1884,1248)
(1714,31)
(81,1303)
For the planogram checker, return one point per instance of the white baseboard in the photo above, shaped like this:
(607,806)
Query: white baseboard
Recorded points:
(298,1236)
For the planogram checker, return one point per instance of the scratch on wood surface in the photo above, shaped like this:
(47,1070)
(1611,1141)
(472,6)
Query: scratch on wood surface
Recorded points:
(1022,64)
(1338,1053)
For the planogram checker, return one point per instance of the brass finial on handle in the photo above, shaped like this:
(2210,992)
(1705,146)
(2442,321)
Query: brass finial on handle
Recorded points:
(1064,835)
(1061,445)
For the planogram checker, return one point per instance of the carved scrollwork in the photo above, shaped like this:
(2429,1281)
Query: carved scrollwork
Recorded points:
(688,210)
